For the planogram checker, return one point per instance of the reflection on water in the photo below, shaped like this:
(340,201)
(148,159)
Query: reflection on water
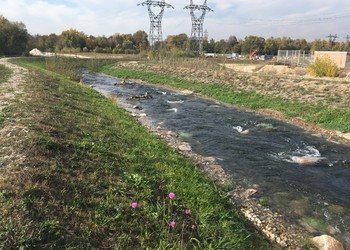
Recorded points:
(304,177)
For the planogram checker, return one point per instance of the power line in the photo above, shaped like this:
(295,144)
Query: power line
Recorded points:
(347,38)
(332,38)
(298,20)
(197,22)
(155,34)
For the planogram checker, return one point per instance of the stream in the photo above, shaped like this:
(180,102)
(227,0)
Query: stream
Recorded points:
(301,176)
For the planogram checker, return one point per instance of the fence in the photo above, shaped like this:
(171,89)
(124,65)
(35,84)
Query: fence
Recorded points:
(294,57)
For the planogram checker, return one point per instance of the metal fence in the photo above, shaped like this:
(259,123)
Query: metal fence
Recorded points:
(294,57)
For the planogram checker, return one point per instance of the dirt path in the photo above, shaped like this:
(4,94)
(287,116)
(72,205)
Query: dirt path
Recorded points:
(12,87)
(11,132)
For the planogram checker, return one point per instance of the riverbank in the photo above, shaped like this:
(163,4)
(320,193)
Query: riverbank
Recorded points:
(89,176)
(193,124)
(292,98)
(254,216)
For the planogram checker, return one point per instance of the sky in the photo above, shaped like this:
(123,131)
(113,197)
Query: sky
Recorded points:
(309,19)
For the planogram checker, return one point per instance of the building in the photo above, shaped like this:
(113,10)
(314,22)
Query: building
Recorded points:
(340,58)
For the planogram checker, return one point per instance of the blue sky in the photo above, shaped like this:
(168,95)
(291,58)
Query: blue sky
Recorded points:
(297,19)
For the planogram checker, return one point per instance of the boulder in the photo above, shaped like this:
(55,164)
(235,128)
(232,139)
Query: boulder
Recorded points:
(326,242)
(248,193)
(185,147)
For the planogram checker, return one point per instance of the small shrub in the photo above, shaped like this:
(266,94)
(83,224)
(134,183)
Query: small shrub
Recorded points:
(323,67)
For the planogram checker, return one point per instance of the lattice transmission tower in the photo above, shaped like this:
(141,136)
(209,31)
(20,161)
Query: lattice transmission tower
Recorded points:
(155,34)
(197,22)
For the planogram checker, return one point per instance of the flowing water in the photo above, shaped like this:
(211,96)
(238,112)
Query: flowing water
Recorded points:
(304,177)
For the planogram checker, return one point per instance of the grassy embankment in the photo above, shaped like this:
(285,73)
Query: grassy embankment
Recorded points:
(5,74)
(87,162)
(323,115)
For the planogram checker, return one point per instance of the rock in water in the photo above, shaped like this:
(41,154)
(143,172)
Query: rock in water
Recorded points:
(326,242)
(307,159)
(185,147)
(239,129)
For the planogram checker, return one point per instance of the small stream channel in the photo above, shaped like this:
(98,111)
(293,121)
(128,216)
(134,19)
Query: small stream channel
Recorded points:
(301,176)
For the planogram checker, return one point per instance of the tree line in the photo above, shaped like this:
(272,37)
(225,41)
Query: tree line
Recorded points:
(15,40)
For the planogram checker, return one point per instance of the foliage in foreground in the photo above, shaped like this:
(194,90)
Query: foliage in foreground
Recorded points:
(323,67)
(96,179)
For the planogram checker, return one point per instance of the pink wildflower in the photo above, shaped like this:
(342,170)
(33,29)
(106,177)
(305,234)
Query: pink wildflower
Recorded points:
(187,211)
(134,205)
(171,195)
(194,227)
(172,224)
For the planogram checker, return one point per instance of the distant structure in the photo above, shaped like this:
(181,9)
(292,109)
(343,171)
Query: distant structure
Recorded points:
(155,34)
(347,38)
(332,39)
(340,58)
(197,22)
(206,34)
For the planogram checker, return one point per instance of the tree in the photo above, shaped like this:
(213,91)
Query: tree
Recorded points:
(251,43)
(303,45)
(73,39)
(50,42)
(140,39)
(13,37)
(178,41)
(192,45)
(319,45)
(209,46)
(271,46)
(90,43)
(232,41)
(222,47)
(286,43)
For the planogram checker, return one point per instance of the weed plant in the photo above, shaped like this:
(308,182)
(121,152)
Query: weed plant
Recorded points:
(323,67)
(93,178)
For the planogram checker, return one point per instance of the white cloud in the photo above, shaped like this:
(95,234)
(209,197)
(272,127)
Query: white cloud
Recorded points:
(297,19)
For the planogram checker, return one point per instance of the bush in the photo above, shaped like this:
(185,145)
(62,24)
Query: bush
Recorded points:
(323,67)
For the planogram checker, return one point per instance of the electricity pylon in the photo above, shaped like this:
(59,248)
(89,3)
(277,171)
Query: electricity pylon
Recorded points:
(197,22)
(155,34)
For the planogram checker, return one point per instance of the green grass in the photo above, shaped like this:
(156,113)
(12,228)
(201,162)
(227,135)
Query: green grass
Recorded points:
(87,161)
(5,74)
(328,117)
